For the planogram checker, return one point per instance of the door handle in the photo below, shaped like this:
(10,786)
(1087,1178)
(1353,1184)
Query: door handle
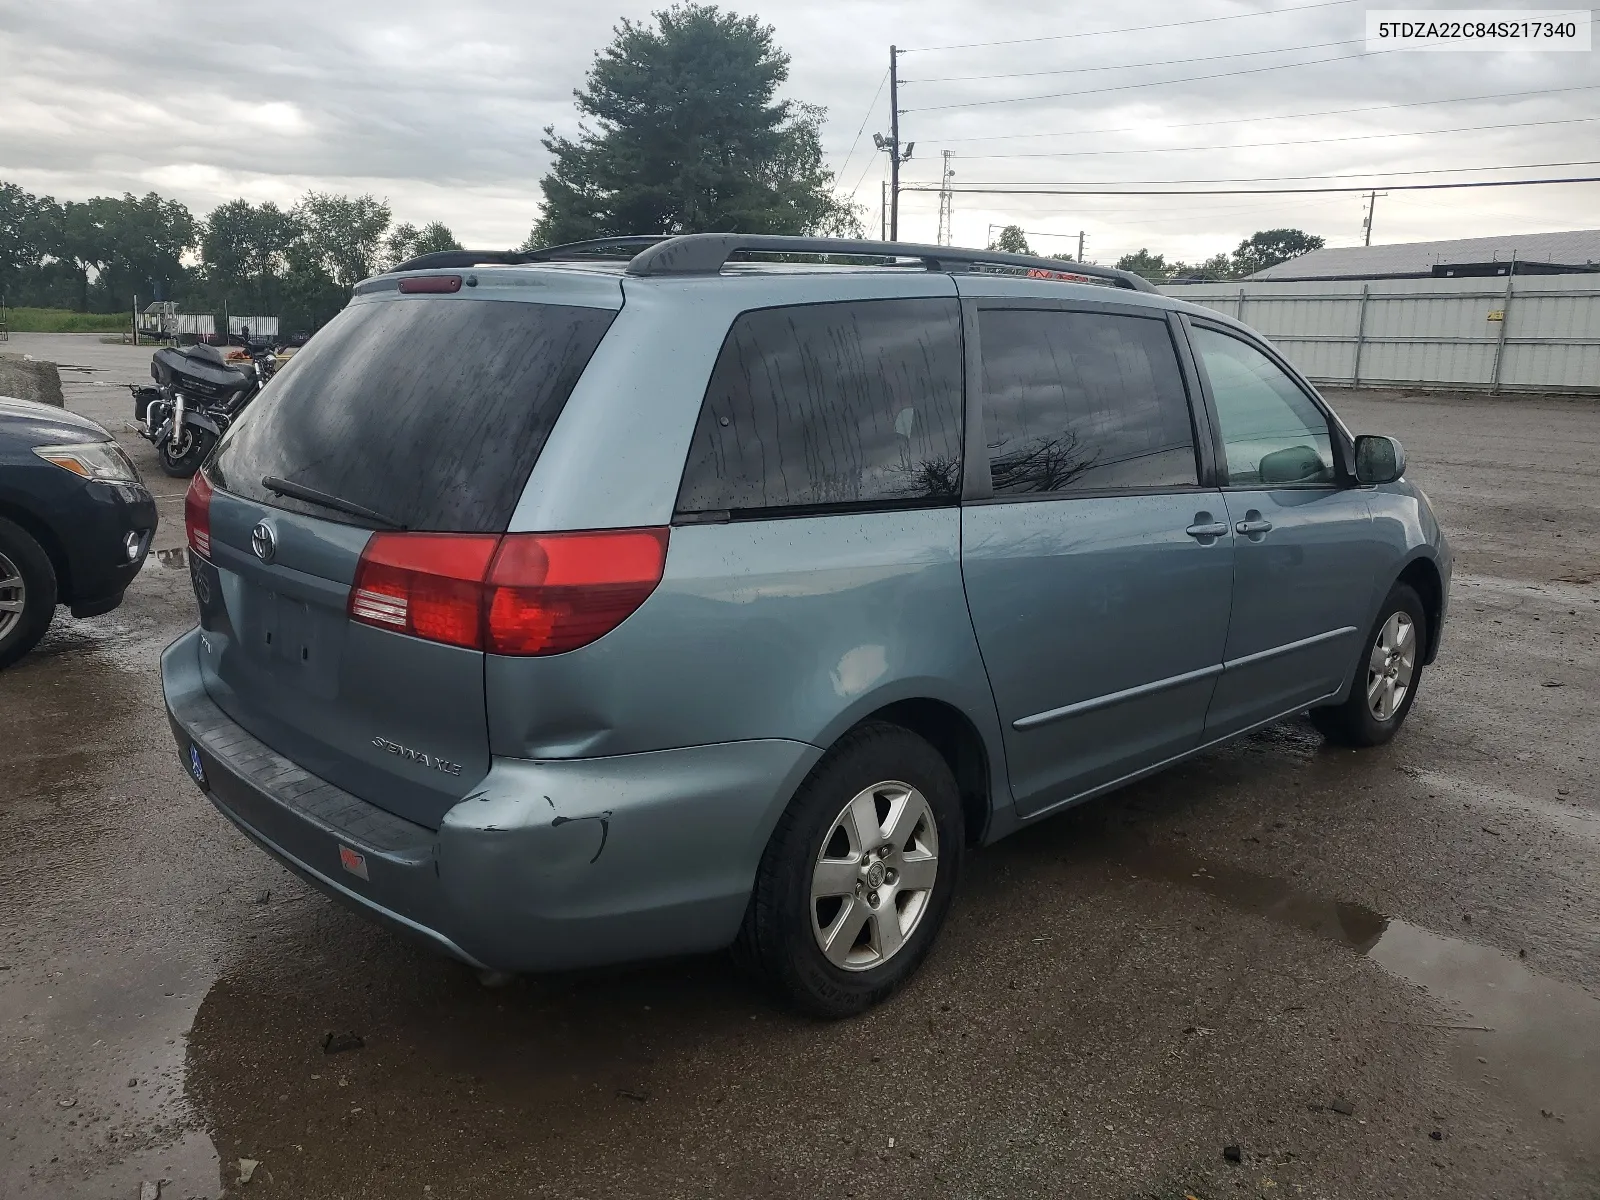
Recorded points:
(1213,529)
(1253,526)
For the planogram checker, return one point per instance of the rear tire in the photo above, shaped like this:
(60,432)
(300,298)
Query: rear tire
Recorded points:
(1390,660)
(181,466)
(826,872)
(27,592)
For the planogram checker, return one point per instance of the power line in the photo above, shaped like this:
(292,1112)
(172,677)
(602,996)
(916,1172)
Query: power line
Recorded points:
(1294,178)
(1332,112)
(1123,87)
(1131,28)
(1394,187)
(1165,62)
(1355,137)
(874,104)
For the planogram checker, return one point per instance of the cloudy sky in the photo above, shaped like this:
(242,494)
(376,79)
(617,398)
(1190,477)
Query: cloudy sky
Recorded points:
(439,108)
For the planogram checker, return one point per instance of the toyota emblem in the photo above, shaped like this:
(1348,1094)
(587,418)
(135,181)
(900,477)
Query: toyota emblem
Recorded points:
(264,542)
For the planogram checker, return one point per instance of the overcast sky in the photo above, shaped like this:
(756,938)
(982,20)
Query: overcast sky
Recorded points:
(439,108)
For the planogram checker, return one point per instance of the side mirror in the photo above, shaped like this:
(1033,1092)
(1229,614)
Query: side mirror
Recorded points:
(1379,459)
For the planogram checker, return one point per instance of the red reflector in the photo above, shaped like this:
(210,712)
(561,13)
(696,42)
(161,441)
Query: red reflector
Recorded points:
(197,514)
(431,283)
(429,585)
(553,592)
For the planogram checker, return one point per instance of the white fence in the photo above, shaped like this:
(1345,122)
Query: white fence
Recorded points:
(1520,333)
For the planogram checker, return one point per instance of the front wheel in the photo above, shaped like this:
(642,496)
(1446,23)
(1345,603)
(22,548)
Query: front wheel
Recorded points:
(27,592)
(182,453)
(1386,676)
(859,874)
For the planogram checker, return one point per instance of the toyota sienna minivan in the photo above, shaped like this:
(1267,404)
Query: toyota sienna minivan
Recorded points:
(659,595)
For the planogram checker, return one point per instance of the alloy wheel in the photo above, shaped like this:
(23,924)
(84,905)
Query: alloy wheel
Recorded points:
(1391,665)
(874,876)
(13,596)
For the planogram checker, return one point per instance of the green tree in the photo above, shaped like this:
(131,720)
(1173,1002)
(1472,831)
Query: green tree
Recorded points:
(1269,247)
(688,136)
(341,241)
(142,240)
(1011,241)
(244,250)
(407,241)
(1151,266)
(22,252)
(341,237)
(1218,266)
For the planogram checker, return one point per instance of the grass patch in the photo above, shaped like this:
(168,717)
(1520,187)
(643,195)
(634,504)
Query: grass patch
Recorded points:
(61,320)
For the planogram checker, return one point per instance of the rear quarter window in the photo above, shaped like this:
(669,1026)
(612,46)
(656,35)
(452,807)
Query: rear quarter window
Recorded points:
(431,410)
(842,405)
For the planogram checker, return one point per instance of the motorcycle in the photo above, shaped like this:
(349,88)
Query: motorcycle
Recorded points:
(197,394)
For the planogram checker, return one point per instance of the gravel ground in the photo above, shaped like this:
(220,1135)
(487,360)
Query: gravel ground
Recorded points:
(1373,973)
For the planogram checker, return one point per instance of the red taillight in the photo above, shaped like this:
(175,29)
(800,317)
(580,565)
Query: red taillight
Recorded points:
(429,585)
(551,592)
(431,283)
(197,514)
(523,594)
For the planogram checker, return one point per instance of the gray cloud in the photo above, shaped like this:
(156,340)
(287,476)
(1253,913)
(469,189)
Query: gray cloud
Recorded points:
(440,109)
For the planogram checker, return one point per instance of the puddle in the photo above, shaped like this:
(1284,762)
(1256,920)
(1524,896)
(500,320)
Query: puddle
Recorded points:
(1533,1042)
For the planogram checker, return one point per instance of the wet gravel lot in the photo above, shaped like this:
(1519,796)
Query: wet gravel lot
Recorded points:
(1374,974)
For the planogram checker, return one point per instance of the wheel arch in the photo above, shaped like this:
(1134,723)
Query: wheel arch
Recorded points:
(42,533)
(1422,575)
(959,742)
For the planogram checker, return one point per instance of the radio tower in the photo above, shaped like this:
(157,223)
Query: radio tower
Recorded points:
(946,234)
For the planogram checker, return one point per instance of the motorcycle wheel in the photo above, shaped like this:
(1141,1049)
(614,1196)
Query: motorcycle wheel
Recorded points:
(182,458)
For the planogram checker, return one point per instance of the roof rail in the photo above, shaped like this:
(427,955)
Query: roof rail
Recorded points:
(707,253)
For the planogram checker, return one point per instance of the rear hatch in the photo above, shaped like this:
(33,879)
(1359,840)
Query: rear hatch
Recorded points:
(407,415)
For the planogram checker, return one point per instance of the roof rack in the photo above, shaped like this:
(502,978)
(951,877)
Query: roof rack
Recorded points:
(708,253)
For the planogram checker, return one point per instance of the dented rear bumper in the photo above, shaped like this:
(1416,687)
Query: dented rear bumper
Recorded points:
(547,865)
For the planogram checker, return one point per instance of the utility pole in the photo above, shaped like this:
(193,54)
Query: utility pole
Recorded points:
(1080,246)
(891,145)
(894,144)
(883,211)
(1372,207)
(946,233)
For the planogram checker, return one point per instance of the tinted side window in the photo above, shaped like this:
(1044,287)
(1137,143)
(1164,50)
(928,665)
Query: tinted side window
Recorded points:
(851,403)
(429,411)
(1078,401)
(1271,433)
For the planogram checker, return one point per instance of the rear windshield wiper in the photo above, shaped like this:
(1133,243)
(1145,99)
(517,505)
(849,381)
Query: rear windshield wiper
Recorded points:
(311,495)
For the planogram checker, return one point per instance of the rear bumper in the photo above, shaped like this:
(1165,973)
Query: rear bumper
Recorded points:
(548,865)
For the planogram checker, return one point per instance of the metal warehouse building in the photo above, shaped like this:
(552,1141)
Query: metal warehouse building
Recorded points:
(1533,254)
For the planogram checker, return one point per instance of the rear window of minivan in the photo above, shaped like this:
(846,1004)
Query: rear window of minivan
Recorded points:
(429,411)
